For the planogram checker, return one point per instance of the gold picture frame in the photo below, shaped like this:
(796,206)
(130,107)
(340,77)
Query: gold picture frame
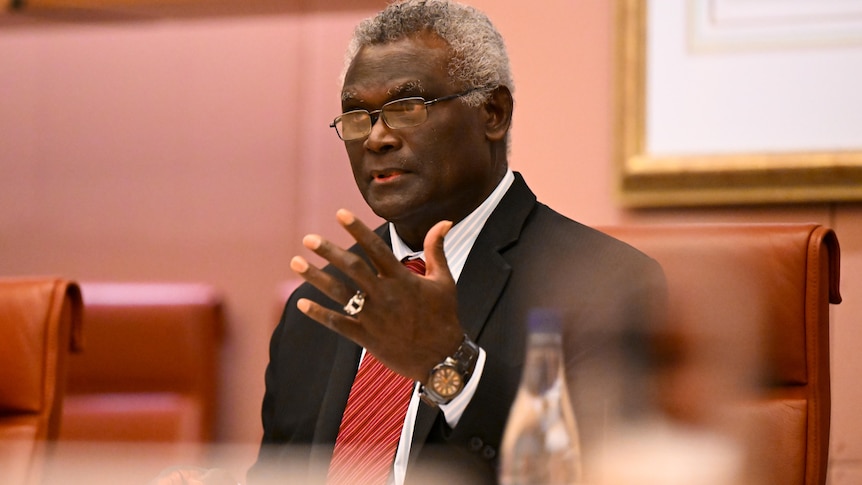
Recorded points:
(650,180)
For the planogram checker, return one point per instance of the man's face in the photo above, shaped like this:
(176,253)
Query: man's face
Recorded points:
(417,176)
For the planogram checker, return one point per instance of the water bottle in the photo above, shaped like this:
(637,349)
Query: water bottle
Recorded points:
(540,442)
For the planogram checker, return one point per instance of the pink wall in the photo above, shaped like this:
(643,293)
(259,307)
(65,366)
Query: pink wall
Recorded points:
(198,150)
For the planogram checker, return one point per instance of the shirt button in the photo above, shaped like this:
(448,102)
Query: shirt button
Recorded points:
(475,444)
(488,453)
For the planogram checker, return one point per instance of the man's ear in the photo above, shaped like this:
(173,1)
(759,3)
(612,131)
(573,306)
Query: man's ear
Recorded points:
(498,108)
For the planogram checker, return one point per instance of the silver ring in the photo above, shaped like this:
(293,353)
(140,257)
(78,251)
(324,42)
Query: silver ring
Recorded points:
(354,305)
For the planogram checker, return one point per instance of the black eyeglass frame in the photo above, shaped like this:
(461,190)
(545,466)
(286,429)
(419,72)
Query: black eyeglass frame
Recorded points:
(376,114)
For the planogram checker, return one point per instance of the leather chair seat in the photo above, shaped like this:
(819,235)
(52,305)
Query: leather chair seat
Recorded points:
(149,371)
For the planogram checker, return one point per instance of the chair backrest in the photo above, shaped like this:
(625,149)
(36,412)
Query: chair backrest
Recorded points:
(748,310)
(40,322)
(150,368)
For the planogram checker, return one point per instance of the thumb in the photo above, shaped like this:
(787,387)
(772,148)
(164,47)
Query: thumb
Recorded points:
(435,259)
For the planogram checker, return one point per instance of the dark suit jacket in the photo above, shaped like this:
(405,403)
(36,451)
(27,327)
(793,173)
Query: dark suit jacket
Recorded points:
(526,256)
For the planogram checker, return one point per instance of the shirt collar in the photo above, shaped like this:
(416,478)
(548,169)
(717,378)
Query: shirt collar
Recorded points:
(459,241)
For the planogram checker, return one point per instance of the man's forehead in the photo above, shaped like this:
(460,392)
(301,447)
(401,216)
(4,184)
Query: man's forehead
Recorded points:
(394,89)
(409,64)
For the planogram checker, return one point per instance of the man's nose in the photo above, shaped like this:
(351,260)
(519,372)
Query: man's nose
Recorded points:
(382,137)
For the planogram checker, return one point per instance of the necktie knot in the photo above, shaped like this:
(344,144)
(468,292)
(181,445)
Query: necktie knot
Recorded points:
(416,265)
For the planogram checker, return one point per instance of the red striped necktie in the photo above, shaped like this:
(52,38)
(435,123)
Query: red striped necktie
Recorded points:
(372,421)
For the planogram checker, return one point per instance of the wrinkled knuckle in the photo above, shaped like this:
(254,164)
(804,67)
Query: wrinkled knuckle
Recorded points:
(330,319)
(355,265)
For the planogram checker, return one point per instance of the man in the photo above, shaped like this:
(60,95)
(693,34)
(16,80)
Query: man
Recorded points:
(426,110)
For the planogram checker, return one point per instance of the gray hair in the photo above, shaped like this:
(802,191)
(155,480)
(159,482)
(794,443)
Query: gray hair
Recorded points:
(478,56)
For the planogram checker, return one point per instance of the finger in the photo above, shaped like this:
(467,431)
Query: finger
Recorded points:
(349,263)
(378,251)
(435,258)
(323,281)
(338,322)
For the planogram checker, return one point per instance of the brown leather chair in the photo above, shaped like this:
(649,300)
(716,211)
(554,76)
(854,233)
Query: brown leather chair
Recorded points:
(150,368)
(746,348)
(40,322)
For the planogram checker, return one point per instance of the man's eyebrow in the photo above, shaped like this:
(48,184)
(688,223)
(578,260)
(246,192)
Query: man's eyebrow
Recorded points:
(348,96)
(409,86)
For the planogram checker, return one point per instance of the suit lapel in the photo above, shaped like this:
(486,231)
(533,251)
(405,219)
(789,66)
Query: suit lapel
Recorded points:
(482,280)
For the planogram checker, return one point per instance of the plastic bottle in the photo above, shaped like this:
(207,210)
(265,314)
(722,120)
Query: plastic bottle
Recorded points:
(540,442)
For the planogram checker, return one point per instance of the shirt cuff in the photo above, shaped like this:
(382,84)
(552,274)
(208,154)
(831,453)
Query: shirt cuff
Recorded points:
(456,407)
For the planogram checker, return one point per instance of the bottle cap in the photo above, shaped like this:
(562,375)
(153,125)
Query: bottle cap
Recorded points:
(544,320)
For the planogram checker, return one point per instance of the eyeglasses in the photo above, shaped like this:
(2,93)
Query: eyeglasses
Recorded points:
(400,113)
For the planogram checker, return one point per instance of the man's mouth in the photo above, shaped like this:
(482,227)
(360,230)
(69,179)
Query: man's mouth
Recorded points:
(383,176)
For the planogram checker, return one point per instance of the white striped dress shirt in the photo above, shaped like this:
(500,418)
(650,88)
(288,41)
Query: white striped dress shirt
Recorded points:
(456,245)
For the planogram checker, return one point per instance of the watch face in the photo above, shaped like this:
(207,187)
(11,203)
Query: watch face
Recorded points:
(447,382)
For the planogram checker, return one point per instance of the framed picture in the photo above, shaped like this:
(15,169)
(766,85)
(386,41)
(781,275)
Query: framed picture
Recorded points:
(738,101)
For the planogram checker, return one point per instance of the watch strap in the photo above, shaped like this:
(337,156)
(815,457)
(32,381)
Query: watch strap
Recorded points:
(463,361)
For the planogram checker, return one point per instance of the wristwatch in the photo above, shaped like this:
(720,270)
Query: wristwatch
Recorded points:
(448,378)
